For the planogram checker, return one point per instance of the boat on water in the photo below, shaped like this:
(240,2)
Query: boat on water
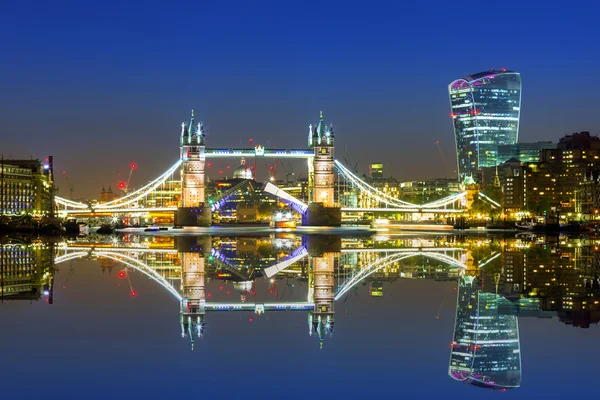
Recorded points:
(526,225)
(572,226)
(283,220)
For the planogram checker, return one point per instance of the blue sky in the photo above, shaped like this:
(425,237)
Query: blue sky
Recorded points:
(101,86)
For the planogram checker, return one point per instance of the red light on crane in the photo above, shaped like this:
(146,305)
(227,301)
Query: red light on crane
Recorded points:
(221,171)
(208,165)
(121,185)
(133,166)
(121,274)
(251,140)
(133,293)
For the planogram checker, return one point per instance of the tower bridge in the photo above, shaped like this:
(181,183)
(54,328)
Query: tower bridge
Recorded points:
(188,203)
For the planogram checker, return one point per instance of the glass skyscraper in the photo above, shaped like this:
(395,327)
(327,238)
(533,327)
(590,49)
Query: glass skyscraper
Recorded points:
(485,111)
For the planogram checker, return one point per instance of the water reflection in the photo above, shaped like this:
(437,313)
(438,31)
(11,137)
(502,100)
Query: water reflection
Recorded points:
(497,281)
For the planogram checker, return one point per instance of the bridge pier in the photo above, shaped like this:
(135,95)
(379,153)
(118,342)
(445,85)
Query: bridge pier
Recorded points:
(319,215)
(193,216)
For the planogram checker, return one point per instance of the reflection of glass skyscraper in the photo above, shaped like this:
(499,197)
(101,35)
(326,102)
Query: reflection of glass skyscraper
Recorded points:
(485,349)
(485,112)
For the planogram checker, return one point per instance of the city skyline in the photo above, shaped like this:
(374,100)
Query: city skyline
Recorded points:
(106,89)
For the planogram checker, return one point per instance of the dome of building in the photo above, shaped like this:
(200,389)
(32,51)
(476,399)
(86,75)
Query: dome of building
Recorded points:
(243,171)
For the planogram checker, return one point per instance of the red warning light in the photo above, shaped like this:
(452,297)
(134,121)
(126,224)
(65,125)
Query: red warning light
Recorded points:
(208,294)
(208,165)
(133,293)
(228,292)
(121,274)
(121,185)
(133,166)
(251,140)
(220,171)
(228,167)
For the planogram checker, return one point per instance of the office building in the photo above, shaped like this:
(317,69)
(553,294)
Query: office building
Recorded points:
(26,188)
(485,110)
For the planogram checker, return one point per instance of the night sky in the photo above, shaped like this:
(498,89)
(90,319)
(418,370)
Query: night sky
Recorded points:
(101,86)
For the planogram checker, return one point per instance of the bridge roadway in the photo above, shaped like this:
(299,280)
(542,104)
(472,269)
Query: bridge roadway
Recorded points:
(260,152)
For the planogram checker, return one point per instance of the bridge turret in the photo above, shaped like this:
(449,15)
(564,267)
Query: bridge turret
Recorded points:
(183,139)
(323,144)
(200,134)
(192,210)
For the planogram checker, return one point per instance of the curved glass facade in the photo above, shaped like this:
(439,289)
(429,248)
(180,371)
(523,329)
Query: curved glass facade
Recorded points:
(485,112)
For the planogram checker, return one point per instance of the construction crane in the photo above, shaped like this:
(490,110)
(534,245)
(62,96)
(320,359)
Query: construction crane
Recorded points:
(132,166)
(273,171)
(353,168)
(71,188)
(448,170)
(288,173)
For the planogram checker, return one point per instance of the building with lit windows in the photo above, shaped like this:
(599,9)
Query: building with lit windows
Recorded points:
(553,183)
(377,171)
(25,188)
(485,111)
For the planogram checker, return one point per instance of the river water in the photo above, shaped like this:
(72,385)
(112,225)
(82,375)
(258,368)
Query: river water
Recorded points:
(299,316)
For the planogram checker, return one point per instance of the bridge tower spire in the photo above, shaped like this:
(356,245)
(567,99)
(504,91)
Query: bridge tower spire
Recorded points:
(323,141)
(323,209)
(192,210)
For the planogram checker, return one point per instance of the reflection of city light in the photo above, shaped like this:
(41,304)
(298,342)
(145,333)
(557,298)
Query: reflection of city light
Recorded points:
(46,292)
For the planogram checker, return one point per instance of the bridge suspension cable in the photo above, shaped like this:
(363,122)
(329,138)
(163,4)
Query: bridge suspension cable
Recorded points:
(368,189)
(388,200)
(126,200)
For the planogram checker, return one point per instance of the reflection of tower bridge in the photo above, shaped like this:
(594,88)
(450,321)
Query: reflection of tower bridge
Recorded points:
(326,198)
(156,263)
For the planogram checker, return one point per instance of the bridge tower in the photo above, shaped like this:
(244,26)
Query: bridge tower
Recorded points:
(321,273)
(322,209)
(192,210)
(192,312)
